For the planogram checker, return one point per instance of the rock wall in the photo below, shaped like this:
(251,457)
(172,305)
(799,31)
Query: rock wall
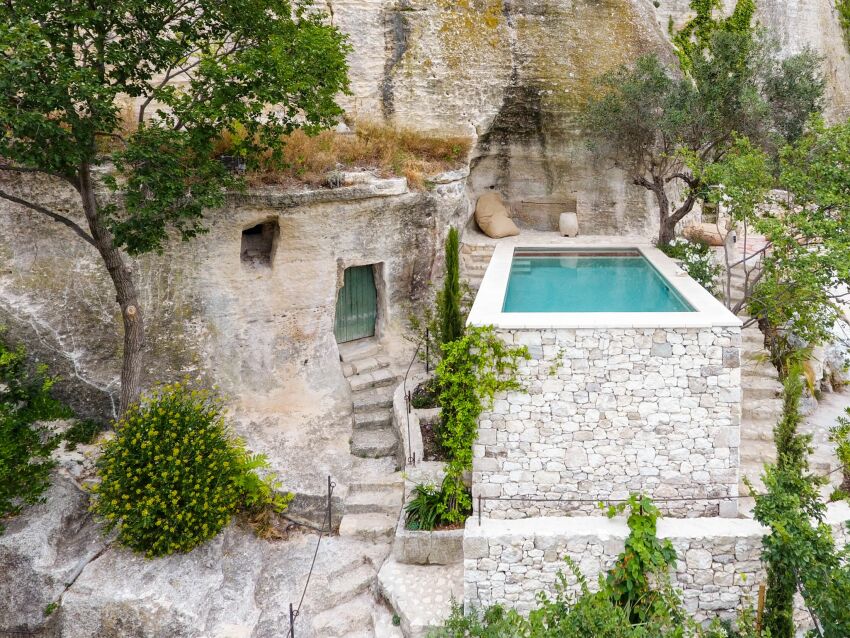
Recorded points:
(515,74)
(606,412)
(718,571)
(262,334)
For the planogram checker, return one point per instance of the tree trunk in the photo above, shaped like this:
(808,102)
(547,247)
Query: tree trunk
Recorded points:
(666,230)
(125,289)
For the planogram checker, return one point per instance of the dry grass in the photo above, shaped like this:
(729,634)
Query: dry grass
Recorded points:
(387,150)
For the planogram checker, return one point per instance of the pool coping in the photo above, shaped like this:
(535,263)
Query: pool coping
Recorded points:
(487,309)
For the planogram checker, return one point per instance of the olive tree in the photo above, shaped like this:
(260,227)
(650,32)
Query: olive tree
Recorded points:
(192,70)
(653,120)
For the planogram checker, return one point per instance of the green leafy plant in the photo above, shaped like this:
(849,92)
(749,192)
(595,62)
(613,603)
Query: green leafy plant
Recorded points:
(173,475)
(424,396)
(843,7)
(697,260)
(615,610)
(25,447)
(423,510)
(799,551)
(840,436)
(82,431)
(473,369)
(644,559)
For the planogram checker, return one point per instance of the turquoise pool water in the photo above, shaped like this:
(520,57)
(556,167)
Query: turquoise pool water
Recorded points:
(621,281)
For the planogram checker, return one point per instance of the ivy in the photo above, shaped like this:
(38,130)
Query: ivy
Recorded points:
(626,604)
(472,371)
(630,581)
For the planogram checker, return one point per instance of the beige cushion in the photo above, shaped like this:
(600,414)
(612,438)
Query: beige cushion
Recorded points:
(708,233)
(492,218)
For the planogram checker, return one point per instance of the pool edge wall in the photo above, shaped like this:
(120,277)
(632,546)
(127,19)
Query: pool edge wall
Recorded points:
(608,411)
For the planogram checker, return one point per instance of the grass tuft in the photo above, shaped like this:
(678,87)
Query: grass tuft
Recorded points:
(387,150)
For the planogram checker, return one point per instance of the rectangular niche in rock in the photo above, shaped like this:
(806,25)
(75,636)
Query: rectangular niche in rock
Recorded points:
(259,243)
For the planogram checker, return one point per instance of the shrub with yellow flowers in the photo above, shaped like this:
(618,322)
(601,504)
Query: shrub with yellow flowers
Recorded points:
(174,475)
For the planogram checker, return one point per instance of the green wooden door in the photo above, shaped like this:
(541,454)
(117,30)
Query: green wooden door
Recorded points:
(356,305)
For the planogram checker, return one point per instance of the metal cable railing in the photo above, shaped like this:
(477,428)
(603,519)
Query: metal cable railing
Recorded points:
(294,612)
(411,456)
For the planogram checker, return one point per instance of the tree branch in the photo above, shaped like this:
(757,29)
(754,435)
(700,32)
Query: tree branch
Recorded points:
(49,213)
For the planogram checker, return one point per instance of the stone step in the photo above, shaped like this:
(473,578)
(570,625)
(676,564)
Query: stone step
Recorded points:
(762,409)
(377,502)
(757,430)
(374,443)
(360,349)
(757,452)
(375,379)
(378,482)
(343,586)
(373,472)
(366,364)
(368,527)
(763,370)
(755,388)
(377,398)
(374,420)
(344,620)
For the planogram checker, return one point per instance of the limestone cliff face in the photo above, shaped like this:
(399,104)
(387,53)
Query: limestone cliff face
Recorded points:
(513,73)
(263,334)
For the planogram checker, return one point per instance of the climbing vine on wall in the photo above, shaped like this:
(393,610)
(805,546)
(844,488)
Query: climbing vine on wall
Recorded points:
(843,7)
(473,369)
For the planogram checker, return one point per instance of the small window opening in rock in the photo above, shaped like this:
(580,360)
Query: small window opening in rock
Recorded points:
(259,243)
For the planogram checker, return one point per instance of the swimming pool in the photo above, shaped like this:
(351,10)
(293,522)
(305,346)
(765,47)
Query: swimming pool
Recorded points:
(587,285)
(547,280)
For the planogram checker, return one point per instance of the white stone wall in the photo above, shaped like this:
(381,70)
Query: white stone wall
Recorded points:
(719,566)
(606,412)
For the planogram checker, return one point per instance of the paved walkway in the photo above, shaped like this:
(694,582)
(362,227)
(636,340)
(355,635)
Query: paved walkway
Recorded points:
(422,595)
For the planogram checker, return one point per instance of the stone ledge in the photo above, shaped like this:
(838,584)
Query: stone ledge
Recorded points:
(439,547)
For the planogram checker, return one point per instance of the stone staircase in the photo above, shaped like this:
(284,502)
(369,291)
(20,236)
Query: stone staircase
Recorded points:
(474,259)
(376,489)
(352,607)
(372,385)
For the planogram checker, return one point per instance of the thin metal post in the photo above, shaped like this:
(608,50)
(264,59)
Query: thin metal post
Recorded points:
(427,351)
(479,510)
(291,621)
(408,401)
(330,505)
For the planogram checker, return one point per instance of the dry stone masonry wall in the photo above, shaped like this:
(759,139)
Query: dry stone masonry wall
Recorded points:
(606,412)
(718,571)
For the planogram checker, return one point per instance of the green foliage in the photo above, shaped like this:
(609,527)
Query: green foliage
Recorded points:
(82,431)
(173,476)
(473,369)
(697,260)
(810,235)
(449,299)
(843,7)
(644,559)
(654,122)
(423,510)
(840,436)
(25,446)
(799,551)
(615,610)
(68,68)
(425,395)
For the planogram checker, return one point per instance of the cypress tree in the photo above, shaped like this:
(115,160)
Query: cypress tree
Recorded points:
(451,322)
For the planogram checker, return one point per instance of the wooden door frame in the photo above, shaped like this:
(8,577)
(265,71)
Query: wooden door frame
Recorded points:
(378,275)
